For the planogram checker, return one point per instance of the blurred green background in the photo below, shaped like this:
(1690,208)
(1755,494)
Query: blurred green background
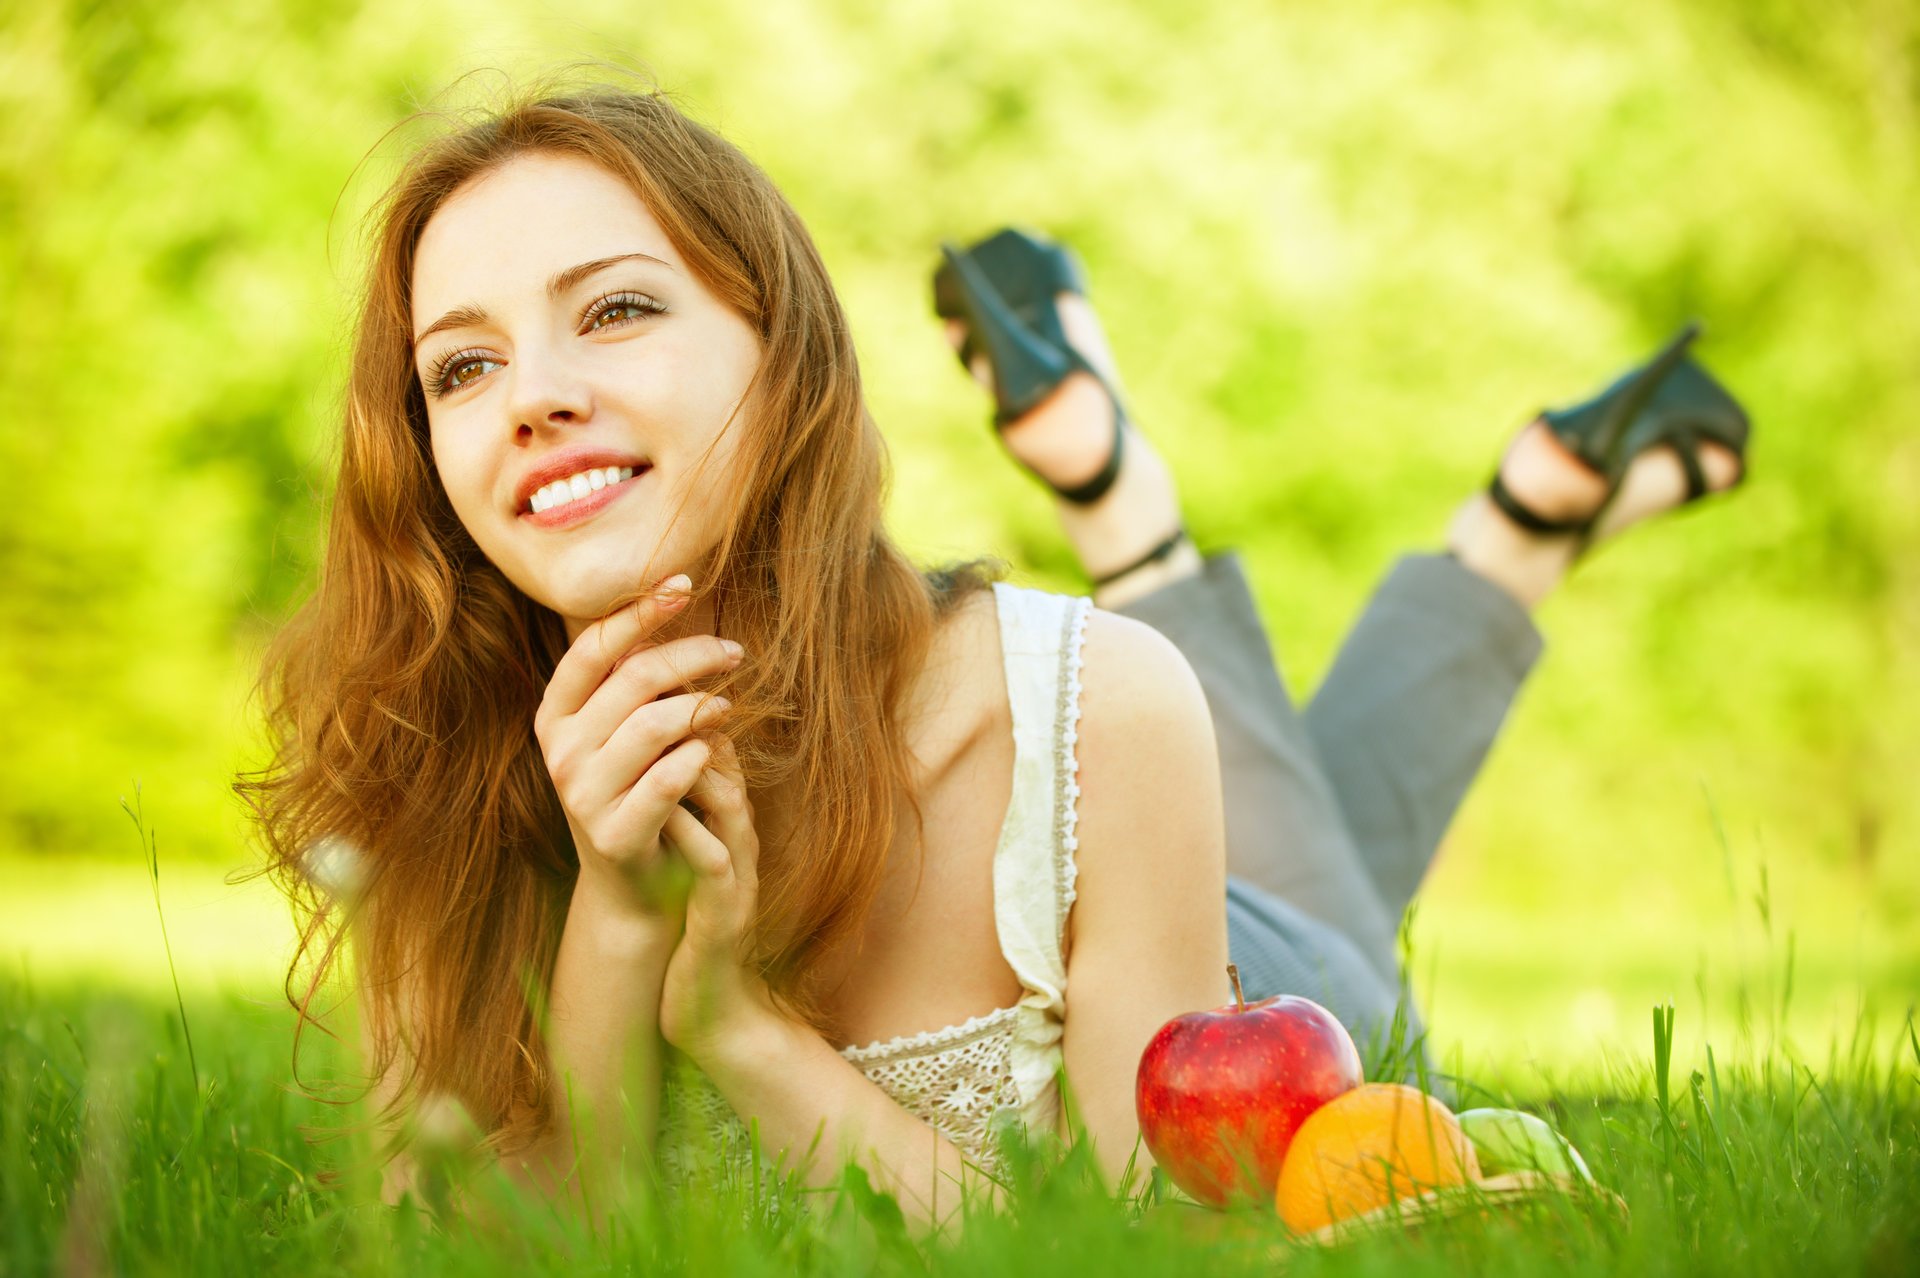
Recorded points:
(1343,253)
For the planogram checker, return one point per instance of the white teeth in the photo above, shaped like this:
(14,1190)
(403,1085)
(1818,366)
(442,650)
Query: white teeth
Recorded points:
(574,487)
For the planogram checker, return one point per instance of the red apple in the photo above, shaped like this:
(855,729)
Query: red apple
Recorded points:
(1221,1093)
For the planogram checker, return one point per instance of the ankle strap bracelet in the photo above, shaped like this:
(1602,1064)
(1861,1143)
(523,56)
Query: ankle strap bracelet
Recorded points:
(1153,556)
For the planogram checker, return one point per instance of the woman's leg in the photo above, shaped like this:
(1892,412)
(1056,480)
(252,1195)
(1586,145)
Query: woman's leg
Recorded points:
(1286,834)
(1281,949)
(1403,721)
(1417,693)
(1361,788)
(1405,718)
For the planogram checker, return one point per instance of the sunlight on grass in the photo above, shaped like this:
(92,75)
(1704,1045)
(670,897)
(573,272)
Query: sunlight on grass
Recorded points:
(1504,989)
(112,1160)
(91,921)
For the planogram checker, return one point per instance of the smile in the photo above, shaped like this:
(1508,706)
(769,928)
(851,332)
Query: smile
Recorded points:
(568,501)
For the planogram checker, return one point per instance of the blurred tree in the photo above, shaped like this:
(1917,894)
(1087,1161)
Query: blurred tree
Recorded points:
(1343,252)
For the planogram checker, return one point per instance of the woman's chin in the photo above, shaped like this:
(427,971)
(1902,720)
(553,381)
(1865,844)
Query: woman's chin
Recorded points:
(590,579)
(592,592)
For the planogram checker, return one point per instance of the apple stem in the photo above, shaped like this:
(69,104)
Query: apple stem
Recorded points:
(1239,999)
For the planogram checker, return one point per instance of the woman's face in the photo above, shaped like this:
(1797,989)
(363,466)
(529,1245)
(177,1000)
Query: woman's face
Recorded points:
(559,336)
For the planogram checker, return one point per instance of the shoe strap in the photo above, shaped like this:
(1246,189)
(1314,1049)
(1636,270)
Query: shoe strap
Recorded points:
(1515,510)
(1096,488)
(1688,449)
(1155,555)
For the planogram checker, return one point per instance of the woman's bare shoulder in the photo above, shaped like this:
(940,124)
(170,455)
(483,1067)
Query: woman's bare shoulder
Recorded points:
(1139,697)
(1135,681)
(1146,742)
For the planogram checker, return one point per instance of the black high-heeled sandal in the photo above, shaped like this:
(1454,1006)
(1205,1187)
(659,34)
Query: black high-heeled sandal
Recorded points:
(1668,400)
(1003,289)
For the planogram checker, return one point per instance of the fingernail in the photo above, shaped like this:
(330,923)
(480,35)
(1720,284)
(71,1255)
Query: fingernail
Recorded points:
(733,649)
(722,703)
(678,584)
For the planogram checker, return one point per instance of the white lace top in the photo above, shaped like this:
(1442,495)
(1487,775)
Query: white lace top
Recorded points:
(964,1079)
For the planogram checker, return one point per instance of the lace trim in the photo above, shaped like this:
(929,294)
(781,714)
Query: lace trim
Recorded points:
(1066,766)
(965,1091)
(946,1037)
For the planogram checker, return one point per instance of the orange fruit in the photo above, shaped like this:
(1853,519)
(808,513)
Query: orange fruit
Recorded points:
(1367,1147)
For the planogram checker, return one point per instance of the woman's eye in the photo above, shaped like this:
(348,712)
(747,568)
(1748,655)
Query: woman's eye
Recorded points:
(618,311)
(462,371)
(621,308)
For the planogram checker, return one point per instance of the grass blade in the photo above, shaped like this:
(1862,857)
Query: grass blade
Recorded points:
(150,852)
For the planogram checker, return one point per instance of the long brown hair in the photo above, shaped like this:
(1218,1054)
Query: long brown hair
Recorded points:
(401,695)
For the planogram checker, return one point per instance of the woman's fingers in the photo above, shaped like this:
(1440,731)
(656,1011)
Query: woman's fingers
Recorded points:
(649,732)
(656,796)
(598,649)
(721,902)
(702,850)
(721,795)
(645,676)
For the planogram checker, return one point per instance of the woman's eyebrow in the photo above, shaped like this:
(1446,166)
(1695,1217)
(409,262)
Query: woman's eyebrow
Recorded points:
(471,316)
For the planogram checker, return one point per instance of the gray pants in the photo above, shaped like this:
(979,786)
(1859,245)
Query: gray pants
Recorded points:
(1333,815)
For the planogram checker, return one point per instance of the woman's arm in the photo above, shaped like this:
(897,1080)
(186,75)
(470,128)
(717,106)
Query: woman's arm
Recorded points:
(1148,931)
(624,745)
(816,1106)
(1150,943)
(815,1109)
(603,1038)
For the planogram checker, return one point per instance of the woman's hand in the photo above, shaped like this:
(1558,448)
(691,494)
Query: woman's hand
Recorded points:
(711,1000)
(620,738)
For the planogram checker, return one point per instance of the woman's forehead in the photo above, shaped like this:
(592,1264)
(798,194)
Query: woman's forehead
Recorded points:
(506,234)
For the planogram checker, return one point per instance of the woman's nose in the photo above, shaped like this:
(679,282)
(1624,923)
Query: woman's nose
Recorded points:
(547,393)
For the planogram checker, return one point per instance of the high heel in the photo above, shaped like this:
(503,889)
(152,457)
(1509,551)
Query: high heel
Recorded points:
(1670,399)
(1003,289)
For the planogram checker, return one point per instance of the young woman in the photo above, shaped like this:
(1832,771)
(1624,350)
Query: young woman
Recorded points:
(651,743)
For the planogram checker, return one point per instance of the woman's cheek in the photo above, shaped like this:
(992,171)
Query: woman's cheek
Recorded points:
(472,507)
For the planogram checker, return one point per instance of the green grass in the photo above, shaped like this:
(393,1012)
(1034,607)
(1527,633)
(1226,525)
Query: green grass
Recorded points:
(1781,1135)
(111,1161)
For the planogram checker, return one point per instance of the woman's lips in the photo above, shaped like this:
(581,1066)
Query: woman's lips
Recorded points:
(584,507)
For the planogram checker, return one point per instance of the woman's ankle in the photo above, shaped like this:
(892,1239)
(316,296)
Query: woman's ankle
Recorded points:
(1132,518)
(1527,565)
(1183,562)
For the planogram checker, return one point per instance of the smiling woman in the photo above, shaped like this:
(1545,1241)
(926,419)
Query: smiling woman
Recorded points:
(607,599)
(604,350)
(624,695)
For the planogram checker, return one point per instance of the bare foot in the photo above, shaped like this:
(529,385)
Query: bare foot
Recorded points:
(1553,483)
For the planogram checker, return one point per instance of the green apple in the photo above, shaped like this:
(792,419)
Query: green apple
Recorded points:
(1508,1140)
